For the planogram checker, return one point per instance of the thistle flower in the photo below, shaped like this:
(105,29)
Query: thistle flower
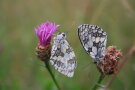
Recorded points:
(44,33)
(109,64)
(43,50)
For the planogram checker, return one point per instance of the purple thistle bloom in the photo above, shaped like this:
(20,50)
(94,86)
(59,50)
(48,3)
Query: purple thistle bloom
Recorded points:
(45,32)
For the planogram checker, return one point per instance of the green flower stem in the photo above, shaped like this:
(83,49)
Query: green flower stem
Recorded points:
(49,70)
(98,83)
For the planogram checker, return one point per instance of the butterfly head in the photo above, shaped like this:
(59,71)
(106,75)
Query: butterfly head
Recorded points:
(60,35)
(97,59)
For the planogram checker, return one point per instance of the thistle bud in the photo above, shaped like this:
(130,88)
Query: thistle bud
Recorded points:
(109,65)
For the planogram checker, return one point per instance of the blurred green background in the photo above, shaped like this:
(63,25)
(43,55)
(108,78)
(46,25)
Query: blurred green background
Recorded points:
(21,70)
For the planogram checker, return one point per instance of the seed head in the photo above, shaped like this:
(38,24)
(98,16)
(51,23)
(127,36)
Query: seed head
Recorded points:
(109,64)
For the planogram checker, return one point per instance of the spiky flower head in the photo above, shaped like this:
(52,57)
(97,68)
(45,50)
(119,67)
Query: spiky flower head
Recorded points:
(109,64)
(44,33)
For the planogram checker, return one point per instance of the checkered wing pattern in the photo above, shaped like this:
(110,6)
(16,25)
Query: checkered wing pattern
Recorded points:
(93,39)
(62,55)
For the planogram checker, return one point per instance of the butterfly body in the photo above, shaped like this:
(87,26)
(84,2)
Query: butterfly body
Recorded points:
(62,55)
(93,39)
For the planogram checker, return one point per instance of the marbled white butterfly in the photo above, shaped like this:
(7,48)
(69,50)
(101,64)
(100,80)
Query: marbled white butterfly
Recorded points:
(62,55)
(93,39)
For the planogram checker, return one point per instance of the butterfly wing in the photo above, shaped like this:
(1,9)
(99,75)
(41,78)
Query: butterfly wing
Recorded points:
(93,39)
(63,57)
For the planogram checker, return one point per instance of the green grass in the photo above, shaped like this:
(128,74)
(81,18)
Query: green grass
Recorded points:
(21,70)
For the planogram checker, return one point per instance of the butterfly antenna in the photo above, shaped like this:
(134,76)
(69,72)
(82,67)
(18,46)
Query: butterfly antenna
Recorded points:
(84,67)
(58,31)
(66,32)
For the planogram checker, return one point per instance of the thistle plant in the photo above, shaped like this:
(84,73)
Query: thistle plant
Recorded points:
(94,39)
(44,33)
(109,65)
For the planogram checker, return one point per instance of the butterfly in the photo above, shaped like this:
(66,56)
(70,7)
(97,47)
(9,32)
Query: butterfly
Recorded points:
(93,40)
(62,55)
